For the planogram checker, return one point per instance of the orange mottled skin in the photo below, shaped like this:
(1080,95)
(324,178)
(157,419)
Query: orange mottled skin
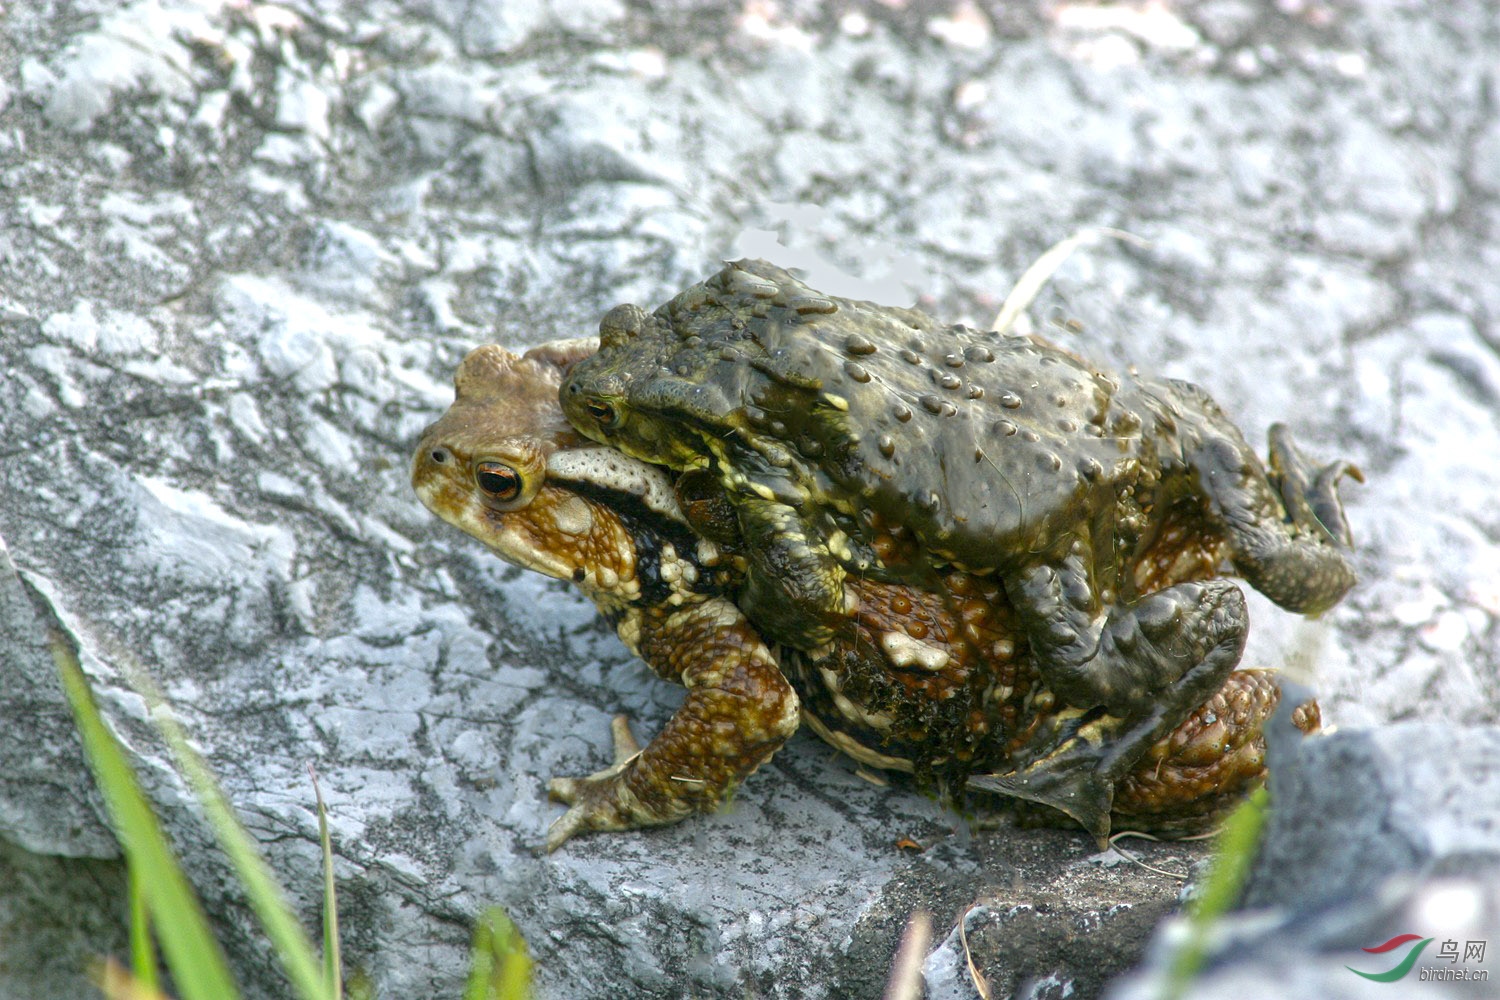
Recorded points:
(934,680)
(505,430)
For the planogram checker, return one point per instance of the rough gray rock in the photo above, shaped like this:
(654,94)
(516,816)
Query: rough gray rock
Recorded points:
(1374,833)
(242,248)
(47,805)
(57,914)
(1040,930)
(1359,807)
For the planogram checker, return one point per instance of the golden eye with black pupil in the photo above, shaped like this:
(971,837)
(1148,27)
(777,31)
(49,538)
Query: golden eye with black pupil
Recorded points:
(602,412)
(500,482)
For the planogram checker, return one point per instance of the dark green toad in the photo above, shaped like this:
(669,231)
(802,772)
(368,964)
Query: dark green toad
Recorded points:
(856,441)
(931,680)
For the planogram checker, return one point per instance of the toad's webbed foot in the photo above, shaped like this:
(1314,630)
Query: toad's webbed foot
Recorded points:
(1077,772)
(1191,628)
(601,801)
(1122,656)
(1313,505)
(1286,527)
(1184,784)
(1151,665)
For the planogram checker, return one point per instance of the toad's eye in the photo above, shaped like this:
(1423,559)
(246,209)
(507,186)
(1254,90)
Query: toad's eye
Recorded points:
(601,411)
(500,482)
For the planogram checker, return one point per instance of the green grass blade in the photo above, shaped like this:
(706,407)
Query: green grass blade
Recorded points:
(292,946)
(1220,890)
(195,958)
(142,951)
(333,965)
(500,968)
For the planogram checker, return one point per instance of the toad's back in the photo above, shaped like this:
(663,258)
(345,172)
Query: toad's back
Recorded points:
(986,445)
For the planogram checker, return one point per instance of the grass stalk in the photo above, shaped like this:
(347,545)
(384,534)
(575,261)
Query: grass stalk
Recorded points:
(1221,890)
(164,907)
(333,963)
(293,948)
(143,968)
(198,965)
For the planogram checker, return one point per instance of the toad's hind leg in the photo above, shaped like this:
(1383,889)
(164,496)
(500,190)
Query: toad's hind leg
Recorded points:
(1190,780)
(1154,663)
(739,710)
(1287,532)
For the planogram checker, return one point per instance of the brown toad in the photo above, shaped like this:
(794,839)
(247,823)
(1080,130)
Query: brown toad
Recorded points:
(937,681)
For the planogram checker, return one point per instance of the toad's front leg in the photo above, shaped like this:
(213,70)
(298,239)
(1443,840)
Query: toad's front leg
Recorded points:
(738,712)
(794,584)
(1287,529)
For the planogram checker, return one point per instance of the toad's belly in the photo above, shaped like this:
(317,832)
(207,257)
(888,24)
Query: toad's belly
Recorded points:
(931,682)
(940,685)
